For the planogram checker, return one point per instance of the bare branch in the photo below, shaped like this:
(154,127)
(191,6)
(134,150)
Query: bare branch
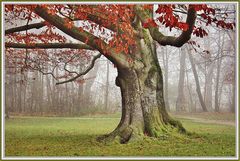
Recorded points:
(48,46)
(65,65)
(82,73)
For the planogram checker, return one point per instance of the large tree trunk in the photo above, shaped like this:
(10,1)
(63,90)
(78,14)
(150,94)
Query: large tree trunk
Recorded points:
(143,107)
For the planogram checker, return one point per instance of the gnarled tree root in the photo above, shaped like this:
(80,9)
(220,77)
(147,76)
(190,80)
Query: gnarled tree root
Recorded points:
(126,134)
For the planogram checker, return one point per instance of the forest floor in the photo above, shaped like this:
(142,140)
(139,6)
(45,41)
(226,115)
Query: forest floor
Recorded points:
(76,137)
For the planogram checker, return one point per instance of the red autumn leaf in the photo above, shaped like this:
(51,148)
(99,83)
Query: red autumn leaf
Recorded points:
(203,15)
(149,23)
(68,24)
(160,19)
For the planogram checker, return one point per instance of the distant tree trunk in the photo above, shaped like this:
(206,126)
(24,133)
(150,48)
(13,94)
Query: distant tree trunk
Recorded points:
(55,95)
(189,87)
(80,100)
(198,89)
(219,64)
(49,95)
(8,93)
(106,89)
(232,107)
(208,86)
(88,84)
(208,72)
(34,94)
(20,83)
(217,85)
(233,88)
(233,38)
(74,100)
(67,99)
(181,100)
(41,93)
(165,56)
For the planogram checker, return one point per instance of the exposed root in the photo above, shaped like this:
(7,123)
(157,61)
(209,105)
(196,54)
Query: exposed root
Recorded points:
(178,125)
(106,138)
(122,135)
(155,126)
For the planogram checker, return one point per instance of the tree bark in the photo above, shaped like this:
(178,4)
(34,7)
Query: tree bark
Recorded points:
(143,106)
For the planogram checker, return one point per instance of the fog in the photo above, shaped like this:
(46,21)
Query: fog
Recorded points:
(33,92)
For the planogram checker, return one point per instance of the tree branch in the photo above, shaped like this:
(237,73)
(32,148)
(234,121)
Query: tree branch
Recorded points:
(90,17)
(183,38)
(48,46)
(72,31)
(169,40)
(83,36)
(82,73)
(25,27)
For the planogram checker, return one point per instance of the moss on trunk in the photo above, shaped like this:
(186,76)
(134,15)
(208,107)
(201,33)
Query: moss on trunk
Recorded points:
(143,107)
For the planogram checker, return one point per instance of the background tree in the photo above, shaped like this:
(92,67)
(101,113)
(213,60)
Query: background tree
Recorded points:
(181,101)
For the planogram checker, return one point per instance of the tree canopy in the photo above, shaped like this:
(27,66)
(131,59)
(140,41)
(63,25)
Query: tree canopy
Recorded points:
(105,28)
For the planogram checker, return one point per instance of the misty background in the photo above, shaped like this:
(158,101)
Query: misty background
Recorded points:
(201,73)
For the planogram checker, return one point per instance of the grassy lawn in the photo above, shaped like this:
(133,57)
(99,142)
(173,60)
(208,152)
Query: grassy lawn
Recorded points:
(55,136)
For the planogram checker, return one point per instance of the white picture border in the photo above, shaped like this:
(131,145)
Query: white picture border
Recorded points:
(3,157)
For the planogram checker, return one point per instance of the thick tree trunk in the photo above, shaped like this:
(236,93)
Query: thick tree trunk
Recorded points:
(143,107)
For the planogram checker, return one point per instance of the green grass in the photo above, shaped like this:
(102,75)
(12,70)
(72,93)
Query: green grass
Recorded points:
(55,136)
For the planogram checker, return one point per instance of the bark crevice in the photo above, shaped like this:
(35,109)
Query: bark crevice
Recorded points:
(143,106)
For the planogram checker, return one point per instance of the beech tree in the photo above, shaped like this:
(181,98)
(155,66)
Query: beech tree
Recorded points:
(127,36)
